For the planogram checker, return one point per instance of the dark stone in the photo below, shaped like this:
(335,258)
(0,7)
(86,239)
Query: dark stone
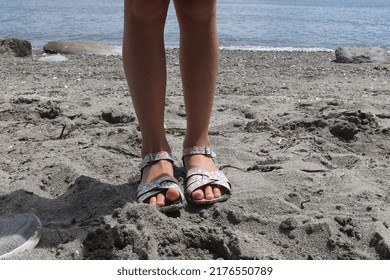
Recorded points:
(115,117)
(249,115)
(349,231)
(288,225)
(14,47)
(362,55)
(50,114)
(342,221)
(343,130)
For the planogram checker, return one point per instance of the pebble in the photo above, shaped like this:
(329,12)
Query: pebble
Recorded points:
(292,235)
(350,231)
(289,224)
(341,207)
(340,220)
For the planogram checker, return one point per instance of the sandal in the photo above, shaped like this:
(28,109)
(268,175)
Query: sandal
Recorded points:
(197,177)
(147,189)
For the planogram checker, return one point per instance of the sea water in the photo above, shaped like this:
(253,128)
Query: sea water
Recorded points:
(242,24)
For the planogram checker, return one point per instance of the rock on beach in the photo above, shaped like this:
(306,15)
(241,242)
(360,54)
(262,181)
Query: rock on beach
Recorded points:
(14,47)
(362,55)
(68,47)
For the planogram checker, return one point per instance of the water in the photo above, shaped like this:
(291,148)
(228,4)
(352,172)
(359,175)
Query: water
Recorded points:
(253,24)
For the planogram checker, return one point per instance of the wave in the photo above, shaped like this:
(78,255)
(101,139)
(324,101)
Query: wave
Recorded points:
(118,49)
(277,49)
(265,48)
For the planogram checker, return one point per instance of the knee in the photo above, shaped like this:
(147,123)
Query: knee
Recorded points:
(147,11)
(198,11)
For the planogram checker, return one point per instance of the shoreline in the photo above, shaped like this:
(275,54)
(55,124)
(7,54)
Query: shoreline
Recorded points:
(117,49)
(39,50)
(236,48)
(304,142)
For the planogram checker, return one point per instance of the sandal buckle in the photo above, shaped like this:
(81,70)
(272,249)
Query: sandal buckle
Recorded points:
(209,152)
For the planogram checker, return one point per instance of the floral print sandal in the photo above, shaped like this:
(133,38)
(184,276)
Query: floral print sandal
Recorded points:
(146,190)
(197,177)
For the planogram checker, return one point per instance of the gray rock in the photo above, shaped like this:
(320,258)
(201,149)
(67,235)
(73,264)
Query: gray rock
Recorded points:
(343,130)
(115,117)
(14,47)
(381,241)
(288,225)
(362,55)
(66,47)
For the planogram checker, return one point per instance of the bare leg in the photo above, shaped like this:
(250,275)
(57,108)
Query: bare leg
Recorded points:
(145,69)
(199,58)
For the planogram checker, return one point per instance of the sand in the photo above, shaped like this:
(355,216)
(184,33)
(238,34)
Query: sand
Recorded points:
(304,141)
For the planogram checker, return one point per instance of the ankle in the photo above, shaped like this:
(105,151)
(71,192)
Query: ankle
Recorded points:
(157,170)
(154,148)
(198,142)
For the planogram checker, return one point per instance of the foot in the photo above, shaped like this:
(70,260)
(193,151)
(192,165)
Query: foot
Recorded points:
(208,192)
(156,171)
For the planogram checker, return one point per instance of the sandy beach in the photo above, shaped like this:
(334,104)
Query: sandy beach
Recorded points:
(303,140)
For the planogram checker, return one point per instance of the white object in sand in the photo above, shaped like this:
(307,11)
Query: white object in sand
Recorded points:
(19,233)
(53,58)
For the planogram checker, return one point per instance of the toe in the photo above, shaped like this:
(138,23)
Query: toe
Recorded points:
(208,193)
(153,200)
(217,192)
(160,200)
(197,194)
(172,194)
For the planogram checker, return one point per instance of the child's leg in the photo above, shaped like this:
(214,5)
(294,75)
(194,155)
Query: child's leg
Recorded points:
(199,58)
(145,69)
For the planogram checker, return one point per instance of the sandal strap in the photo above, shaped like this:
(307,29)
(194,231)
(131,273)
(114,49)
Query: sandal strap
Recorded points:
(146,190)
(197,178)
(199,150)
(153,157)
